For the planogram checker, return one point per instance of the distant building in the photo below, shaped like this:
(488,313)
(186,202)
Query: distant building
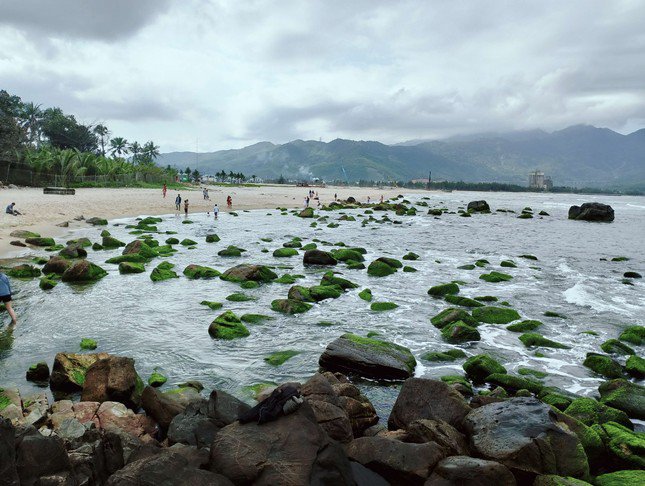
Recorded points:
(537,180)
(420,181)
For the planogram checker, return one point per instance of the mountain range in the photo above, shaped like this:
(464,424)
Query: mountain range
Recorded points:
(577,156)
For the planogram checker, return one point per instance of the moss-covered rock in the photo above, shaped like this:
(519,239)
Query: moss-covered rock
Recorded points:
(447,355)
(40,241)
(172,241)
(633,334)
(290,306)
(285,252)
(459,332)
(24,271)
(246,272)
(366,295)
(624,395)
(380,269)
(614,346)
(129,267)
(524,326)
(603,365)
(83,272)
(163,271)
(279,357)
(130,258)
(508,264)
(56,265)
(466,267)
(231,251)
(88,344)
(47,283)
(212,238)
(323,292)
(250,284)
(156,379)
(346,254)
(239,297)
(307,213)
(462,301)
(621,478)
(554,314)
(494,277)
(534,339)
(383,306)
(211,305)
(198,271)
(255,318)
(450,315)
(590,412)
(512,383)
(109,242)
(330,279)
(300,293)
(228,326)
(495,315)
(635,366)
(626,447)
(411,256)
(286,279)
(556,397)
(444,289)
(478,367)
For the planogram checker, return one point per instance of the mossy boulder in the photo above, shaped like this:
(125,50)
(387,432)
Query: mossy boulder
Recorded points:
(380,269)
(478,367)
(172,241)
(24,234)
(163,271)
(462,301)
(68,372)
(307,213)
(198,271)
(156,379)
(444,289)
(411,256)
(624,395)
(330,279)
(239,297)
(524,326)
(495,315)
(141,248)
(250,284)
(188,242)
(459,332)
(47,283)
(494,277)
(603,365)
(129,267)
(40,241)
(83,272)
(36,372)
(513,383)
(227,326)
(211,305)
(508,264)
(290,306)
(231,251)
(368,357)
(590,412)
(635,366)
(633,334)
(346,254)
(246,272)
(109,242)
(73,251)
(87,343)
(57,265)
(614,346)
(323,292)
(285,252)
(280,357)
(212,238)
(366,295)
(130,258)
(534,339)
(621,478)
(255,318)
(447,355)
(450,315)
(24,271)
(383,306)
(625,447)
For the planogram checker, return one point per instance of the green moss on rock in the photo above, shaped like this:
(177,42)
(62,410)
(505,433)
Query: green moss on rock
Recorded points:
(444,289)
(495,315)
(633,334)
(447,355)
(330,279)
(198,271)
(230,251)
(480,366)
(494,277)
(614,346)
(279,357)
(590,412)
(255,318)
(380,269)
(212,238)
(462,301)
(524,326)
(47,283)
(450,315)
(459,332)
(83,272)
(24,271)
(508,264)
(512,383)
(535,339)
(163,271)
(366,295)
(212,305)
(239,297)
(621,478)
(157,379)
(228,326)
(290,306)
(635,366)
(285,252)
(624,395)
(603,365)
(383,306)
(40,241)
(87,343)
(128,267)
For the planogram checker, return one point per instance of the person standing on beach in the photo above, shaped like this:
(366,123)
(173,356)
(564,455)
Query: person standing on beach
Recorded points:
(164,189)
(215,211)
(229,202)
(381,198)
(5,297)
(335,197)
(178,202)
(186,207)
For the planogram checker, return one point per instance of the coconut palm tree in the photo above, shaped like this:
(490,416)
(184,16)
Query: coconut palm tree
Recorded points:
(31,116)
(136,150)
(102,132)
(150,151)
(118,146)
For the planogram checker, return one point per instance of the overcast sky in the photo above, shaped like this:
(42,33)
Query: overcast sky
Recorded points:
(232,73)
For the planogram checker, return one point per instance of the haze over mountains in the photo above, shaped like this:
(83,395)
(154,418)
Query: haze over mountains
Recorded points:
(579,156)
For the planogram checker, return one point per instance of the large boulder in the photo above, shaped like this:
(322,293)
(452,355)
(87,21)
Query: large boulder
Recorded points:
(160,407)
(290,451)
(68,372)
(318,257)
(83,271)
(444,434)
(324,402)
(57,265)
(245,272)
(624,395)
(113,379)
(396,461)
(421,398)
(592,212)
(372,358)
(526,436)
(73,250)
(8,473)
(478,206)
(38,456)
(464,470)
(359,409)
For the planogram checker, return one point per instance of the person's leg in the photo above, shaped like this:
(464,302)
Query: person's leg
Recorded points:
(11,312)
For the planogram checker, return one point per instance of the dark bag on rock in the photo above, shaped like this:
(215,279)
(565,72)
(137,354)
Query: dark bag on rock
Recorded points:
(282,401)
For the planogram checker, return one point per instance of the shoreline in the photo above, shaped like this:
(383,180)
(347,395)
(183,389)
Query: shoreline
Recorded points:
(43,213)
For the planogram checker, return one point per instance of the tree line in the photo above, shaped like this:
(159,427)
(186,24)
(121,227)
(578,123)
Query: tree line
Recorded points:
(52,142)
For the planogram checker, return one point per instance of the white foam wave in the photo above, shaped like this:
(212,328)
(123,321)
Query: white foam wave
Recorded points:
(583,296)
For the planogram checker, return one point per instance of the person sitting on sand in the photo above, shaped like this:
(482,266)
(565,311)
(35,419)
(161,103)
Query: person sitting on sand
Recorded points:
(5,296)
(186,207)
(215,211)
(11,210)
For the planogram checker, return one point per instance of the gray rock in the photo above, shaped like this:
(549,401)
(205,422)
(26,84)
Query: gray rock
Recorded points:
(318,257)
(39,456)
(592,212)
(193,426)
(8,473)
(444,434)
(70,428)
(470,471)
(478,206)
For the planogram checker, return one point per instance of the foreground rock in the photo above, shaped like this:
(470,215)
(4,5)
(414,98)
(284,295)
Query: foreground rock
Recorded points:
(83,272)
(368,357)
(470,471)
(68,372)
(525,435)
(318,257)
(293,450)
(592,212)
(246,272)
(113,379)
(478,206)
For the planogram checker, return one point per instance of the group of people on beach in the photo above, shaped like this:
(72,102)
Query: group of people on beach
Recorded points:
(311,195)
(178,199)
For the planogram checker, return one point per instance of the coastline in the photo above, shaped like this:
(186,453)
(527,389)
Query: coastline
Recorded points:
(42,213)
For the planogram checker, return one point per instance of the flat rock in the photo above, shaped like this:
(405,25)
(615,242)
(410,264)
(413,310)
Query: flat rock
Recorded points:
(464,470)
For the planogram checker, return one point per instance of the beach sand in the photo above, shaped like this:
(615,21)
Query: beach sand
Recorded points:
(42,213)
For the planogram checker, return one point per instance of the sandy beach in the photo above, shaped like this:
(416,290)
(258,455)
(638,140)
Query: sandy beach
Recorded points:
(42,213)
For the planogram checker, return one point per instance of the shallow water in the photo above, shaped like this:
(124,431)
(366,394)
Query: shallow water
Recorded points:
(162,324)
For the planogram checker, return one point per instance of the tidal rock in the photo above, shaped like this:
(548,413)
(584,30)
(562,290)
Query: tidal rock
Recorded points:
(68,372)
(449,438)
(464,470)
(113,379)
(163,271)
(126,268)
(625,447)
(624,395)
(480,366)
(73,251)
(478,206)
(40,241)
(368,357)
(38,372)
(589,411)
(318,257)
(83,271)
(161,407)
(96,221)
(421,398)
(245,272)
(23,271)
(291,451)
(525,435)
(227,326)
(198,271)
(592,212)
(140,248)
(320,394)
(450,315)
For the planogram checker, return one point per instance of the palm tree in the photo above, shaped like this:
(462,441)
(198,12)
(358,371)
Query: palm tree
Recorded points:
(151,151)
(102,132)
(32,116)
(136,149)
(119,146)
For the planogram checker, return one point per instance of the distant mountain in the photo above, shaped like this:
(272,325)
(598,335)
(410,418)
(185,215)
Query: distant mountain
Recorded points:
(580,155)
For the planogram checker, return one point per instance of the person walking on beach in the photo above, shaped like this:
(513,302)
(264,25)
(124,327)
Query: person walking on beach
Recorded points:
(335,197)
(215,211)
(229,202)
(5,297)
(164,189)
(381,198)
(178,202)
(11,209)
(368,199)
(186,207)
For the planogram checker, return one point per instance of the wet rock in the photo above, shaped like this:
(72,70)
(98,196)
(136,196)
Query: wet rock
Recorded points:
(633,334)
(590,412)
(306,213)
(459,332)
(534,339)
(624,395)
(603,365)
(161,407)
(83,272)
(632,275)
(290,306)
(464,470)
(24,234)
(621,478)
(368,357)
(443,289)
(592,212)
(198,271)
(227,326)
(140,248)
(525,435)
(40,241)
(332,280)
(18,243)
(68,372)
(495,315)
(192,426)
(163,271)
(38,456)
(480,366)
(421,398)
(73,251)
(110,242)
(245,272)
(113,379)
(398,462)
(115,415)
(23,271)
(625,447)
(291,451)
(318,257)
(380,269)
(330,415)
(478,206)
(450,315)
(96,221)
(126,268)
(38,372)
(450,439)
(635,366)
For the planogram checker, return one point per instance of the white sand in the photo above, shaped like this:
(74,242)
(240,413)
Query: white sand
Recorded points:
(43,212)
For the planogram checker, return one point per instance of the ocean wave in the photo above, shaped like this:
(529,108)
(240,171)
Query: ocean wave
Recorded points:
(584,296)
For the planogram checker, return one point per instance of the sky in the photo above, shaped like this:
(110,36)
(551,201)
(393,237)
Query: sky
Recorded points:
(212,75)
